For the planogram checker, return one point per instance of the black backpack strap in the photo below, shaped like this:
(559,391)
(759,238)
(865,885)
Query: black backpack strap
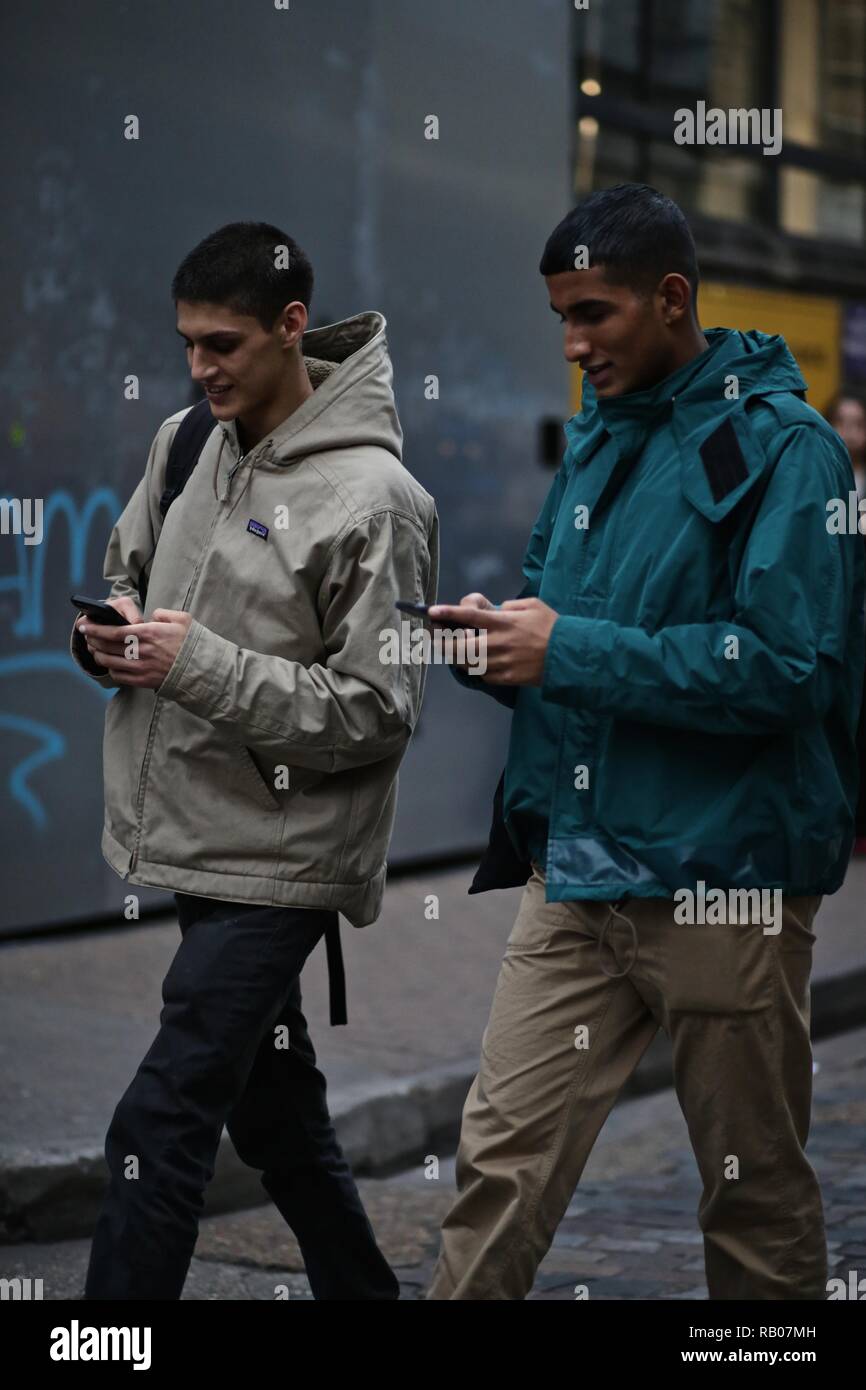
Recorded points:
(336,972)
(189,440)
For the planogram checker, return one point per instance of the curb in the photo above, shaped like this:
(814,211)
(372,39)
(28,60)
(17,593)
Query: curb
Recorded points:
(390,1123)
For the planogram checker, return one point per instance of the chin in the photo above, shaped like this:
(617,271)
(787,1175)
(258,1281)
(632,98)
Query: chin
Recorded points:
(624,388)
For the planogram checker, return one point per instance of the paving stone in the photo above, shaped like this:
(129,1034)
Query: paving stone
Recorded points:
(576,1259)
(612,1243)
(569,1238)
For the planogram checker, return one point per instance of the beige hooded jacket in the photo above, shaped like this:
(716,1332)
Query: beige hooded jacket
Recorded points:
(264,768)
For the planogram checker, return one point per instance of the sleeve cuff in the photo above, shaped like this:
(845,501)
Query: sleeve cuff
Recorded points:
(568,673)
(81,656)
(200,670)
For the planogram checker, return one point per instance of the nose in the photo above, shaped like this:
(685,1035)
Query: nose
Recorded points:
(199,367)
(577,346)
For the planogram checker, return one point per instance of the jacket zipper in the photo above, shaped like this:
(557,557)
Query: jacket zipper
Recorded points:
(139,807)
(552,809)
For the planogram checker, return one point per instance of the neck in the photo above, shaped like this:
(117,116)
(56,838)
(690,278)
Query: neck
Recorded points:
(295,389)
(692,345)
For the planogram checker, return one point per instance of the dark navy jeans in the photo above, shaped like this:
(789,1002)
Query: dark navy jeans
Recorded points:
(214,1062)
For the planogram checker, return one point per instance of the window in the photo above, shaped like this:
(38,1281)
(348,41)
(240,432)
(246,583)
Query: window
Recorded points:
(639,61)
(823,71)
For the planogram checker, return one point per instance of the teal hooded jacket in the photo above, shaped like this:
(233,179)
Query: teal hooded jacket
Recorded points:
(697,714)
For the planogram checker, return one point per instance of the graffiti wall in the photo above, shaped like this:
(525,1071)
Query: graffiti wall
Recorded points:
(315,117)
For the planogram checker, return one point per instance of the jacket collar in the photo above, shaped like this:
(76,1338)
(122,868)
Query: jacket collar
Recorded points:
(352,403)
(696,393)
(318,371)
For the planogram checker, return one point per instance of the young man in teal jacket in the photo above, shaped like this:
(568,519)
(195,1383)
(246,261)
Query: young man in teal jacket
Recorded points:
(684,664)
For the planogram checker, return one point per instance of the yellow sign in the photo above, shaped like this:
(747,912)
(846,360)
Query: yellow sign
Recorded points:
(810,324)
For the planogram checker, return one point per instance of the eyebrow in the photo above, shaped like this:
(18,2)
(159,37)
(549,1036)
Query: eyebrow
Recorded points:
(219,333)
(583,304)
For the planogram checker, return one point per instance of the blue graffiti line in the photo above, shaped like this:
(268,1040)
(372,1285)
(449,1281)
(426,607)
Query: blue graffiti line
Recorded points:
(53,747)
(53,741)
(28,582)
(31,558)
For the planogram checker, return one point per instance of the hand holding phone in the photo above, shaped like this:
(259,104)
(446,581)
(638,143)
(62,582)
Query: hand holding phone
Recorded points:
(98,611)
(421,610)
(418,610)
(110,618)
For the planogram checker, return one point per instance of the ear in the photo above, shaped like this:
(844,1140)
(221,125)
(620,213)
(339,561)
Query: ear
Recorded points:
(676,297)
(293,323)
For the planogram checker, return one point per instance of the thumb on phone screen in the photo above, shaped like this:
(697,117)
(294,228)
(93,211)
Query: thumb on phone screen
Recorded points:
(128,607)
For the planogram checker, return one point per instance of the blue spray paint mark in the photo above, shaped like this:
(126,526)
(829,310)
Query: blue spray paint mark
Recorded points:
(28,582)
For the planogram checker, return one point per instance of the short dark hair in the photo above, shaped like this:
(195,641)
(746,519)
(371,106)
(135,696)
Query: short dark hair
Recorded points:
(235,266)
(633,231)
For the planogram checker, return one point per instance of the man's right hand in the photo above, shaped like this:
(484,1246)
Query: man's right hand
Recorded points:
(130,610)
(477,601)
(128,607)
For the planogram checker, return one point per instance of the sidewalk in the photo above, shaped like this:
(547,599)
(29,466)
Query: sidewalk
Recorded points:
(630,1231)
(78,1013)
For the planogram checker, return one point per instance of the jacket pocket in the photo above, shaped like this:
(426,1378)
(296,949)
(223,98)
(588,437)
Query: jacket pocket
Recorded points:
(123,740)
(264,794)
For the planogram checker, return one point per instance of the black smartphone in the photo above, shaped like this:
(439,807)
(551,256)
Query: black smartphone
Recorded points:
(99,612)
(418,610)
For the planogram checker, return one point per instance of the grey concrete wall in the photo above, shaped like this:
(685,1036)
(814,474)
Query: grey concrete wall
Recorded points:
(312,118)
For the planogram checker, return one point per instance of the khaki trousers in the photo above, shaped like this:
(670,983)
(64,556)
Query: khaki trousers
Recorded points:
(564,1035)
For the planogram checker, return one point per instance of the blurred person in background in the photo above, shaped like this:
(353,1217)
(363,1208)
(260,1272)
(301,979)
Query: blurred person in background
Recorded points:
(847,414)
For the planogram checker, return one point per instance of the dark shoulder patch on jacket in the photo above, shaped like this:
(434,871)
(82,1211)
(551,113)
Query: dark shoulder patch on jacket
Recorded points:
(723,460)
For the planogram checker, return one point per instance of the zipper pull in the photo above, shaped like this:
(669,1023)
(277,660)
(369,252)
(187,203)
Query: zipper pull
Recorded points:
(231,473)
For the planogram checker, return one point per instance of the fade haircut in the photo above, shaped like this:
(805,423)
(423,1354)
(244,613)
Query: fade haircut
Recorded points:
(235,266)
(634,232)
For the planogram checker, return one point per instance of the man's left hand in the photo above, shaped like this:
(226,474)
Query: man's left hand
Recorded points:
(517,635)
(146,662)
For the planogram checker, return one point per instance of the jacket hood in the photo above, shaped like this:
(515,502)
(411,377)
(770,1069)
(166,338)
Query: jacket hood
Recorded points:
(353,397)
(761,362)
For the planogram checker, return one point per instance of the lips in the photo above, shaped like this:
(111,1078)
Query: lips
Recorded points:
(217,391)
(600,375)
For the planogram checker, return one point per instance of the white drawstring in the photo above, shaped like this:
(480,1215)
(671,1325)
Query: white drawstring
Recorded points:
(617,974)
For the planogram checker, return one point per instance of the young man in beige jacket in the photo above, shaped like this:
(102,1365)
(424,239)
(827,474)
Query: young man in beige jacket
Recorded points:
(251,750)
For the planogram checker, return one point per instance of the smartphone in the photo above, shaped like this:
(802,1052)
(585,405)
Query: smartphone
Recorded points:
(99,612)
(418,610)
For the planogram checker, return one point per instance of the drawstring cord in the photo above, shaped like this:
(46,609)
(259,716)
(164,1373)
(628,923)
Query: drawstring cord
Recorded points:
(617,974)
